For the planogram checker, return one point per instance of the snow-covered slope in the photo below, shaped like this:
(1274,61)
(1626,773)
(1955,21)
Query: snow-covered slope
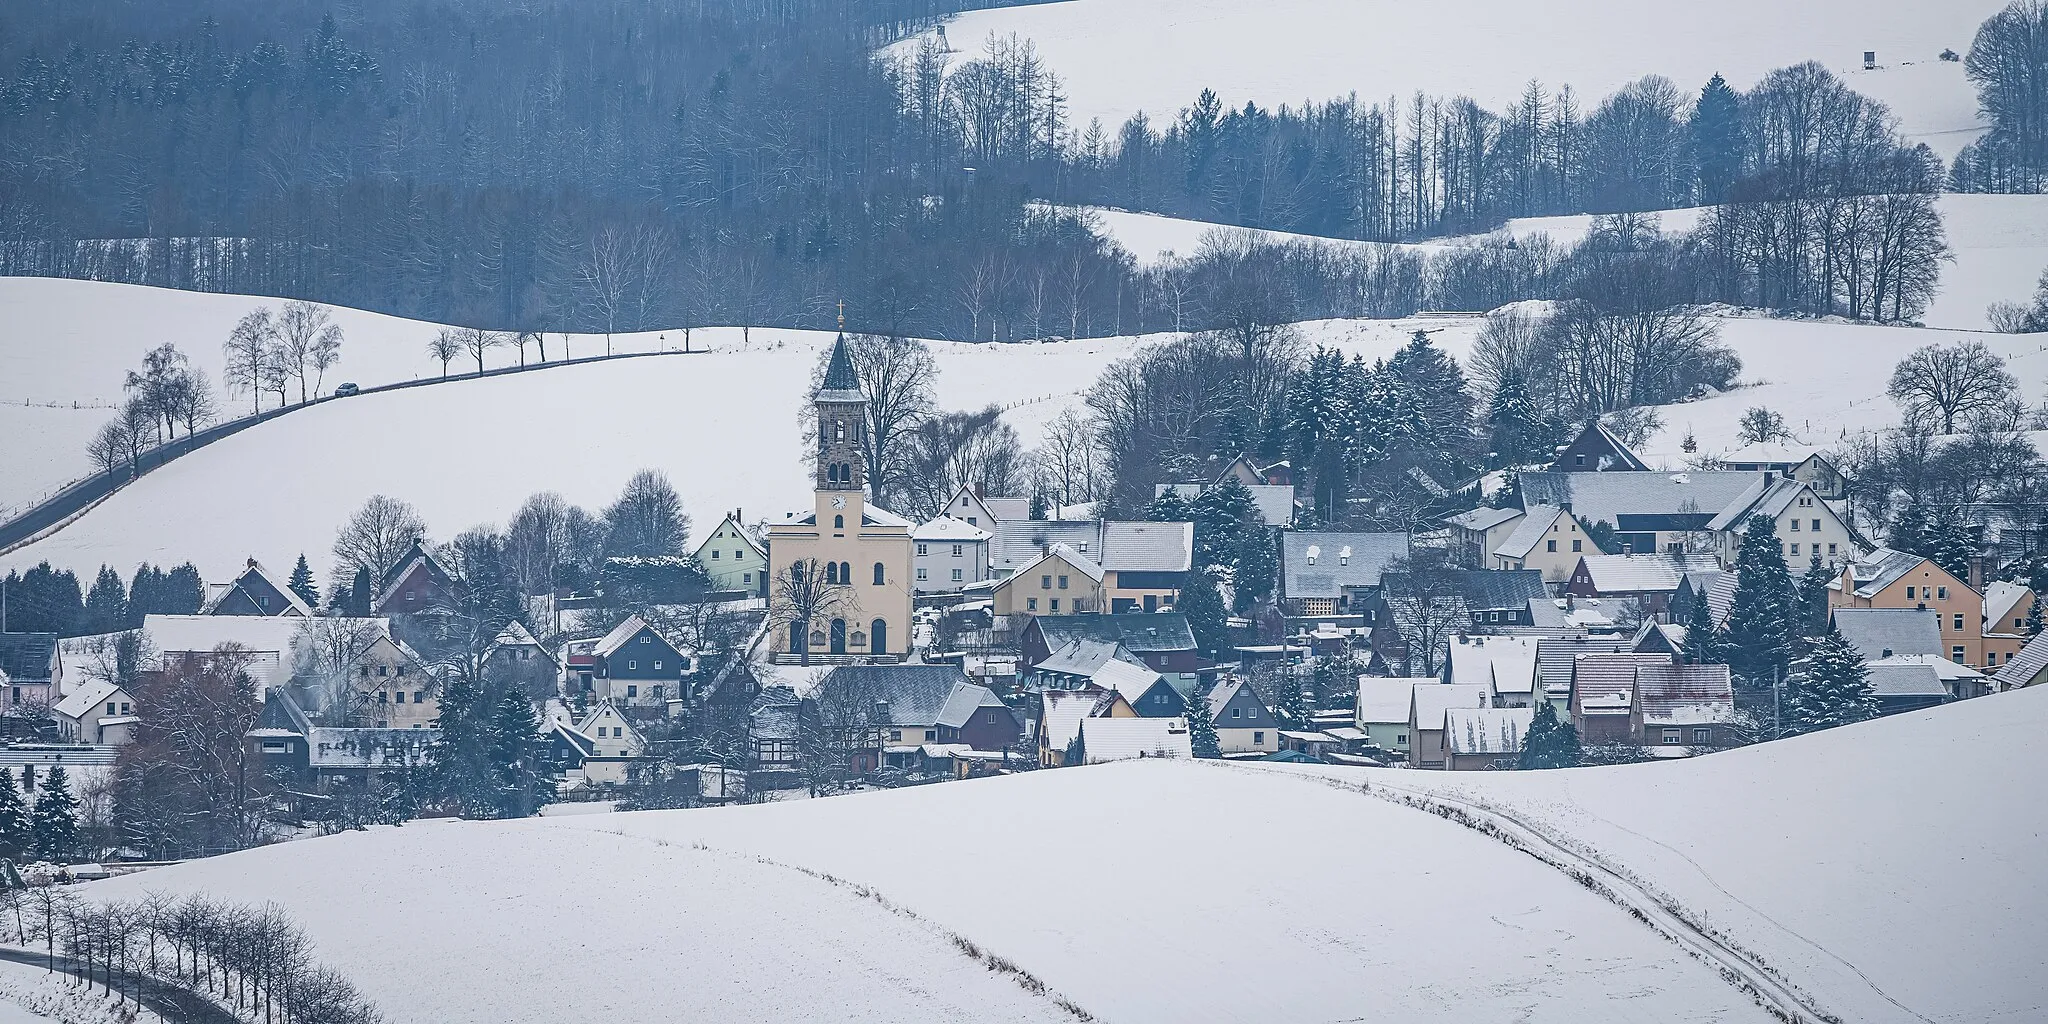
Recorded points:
(1118,57)
(1881,869)
(1886,868)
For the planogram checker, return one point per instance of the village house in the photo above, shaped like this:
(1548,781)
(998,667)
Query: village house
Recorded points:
(1381,710)
(862,551)
(2028,668)
(1062,581)
(1603,695)
(1061,712)
(1557,660)
(98,712)
(951,554)
(33,667)
(971,506)
(930,704)
(1243,722)
(1104,739)
(1808,528)
(271,649)
(1275,502)
(1651,580)
(634,666)
(2006,607)
(1596,450)
(1019,542)
(1901,580)
(1477,739)
(1547,539)
(1899,685)
(394,688)
(414,585)
(1649,512)
(1436,605)
(615,744)
(733,560)
(1504,665)
(1689,706)
(1474,534)
(1804,463)
(254,592)
(1324,573)
(1143,564)
(1162,640)
(286,744)
(1110,666)
(1426,706)
(516,655)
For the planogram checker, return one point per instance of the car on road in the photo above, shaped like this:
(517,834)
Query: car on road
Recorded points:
(346,389)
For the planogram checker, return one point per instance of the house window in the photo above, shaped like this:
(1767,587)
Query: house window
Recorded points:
(1671,736)
(1045,582)
(1030,604)
(921,576)
(956,551)
(645,639)
(1909,593)
(839,522)
(895,735)
(1236,712)
(398,697)
(1063,583)
(972,521)
(632,666)
(881,575)
(747,578)
(1941,594)
(1401,737)
(366,671)
(1550,545)
(657,666)
(124,707)
(1805,501)
(930,735)
(1795,549)
(401,670)
(956,575)
(1816,526)
(655,692)
(1795,526)
(1956,654)
(1959,622)
(1578,545)
(1578,460)
(1700,736)
(383,670)
(419,696)
(1055,605)
(110,709)
(383,697)
(715,553)
(1084,547)
(1258,738)
(1831,551)
(920,551)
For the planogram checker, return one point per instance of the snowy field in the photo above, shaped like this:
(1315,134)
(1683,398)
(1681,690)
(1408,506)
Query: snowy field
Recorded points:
(1118,57)
(1876,868)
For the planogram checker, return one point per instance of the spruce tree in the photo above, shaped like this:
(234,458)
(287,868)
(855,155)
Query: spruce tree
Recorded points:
(53,824)
(106,604)
(1171,507)
(1223,515)
(522,780)
(302,583)
(1703,643)
(1829,687)
(360,594)
(1203,606)
(184,592)
(1715,132)
(1813,596)
(1440,395)
(1521,433)
(1909,530)
(1041,507)
(1551,742)
(1201,731)
(1760,620)
(1951,543)
(2034,617)
(1256,571)
(15,835)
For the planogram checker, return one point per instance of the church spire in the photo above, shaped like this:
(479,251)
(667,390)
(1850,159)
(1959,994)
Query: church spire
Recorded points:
(841,383)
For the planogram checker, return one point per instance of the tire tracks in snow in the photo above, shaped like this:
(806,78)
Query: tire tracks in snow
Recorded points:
(1776,995)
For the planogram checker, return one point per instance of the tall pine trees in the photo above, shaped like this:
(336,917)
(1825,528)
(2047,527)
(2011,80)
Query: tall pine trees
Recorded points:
(1202,736)
(53,824)
(1715,132)
(1551,742)
(302,583)
(15,837)
(1828,687)
(1760,627)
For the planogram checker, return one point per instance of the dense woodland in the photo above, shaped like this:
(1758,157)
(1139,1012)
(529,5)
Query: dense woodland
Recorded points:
(611,165)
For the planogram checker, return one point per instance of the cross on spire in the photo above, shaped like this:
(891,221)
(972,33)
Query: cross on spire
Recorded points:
(842,314)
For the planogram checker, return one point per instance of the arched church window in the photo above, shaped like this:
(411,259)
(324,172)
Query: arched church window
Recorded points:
(839,522)
(881,576)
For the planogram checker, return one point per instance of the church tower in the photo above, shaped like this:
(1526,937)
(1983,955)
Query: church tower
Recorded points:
(842,415)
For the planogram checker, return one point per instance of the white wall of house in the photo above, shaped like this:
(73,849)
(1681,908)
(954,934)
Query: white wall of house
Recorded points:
(943,566)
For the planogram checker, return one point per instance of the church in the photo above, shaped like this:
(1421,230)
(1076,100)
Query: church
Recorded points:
(839,577)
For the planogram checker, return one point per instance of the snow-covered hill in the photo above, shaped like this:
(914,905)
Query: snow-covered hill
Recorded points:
(1878,869)
(1118,57)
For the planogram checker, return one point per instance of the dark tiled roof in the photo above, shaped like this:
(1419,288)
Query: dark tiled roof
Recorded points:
(916,694)
(1482,589)
(841,383)
(1879,633)
(1341,560)
(26,657)
(1140,632)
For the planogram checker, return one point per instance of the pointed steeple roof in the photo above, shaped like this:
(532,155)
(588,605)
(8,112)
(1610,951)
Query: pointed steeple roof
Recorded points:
(841,383)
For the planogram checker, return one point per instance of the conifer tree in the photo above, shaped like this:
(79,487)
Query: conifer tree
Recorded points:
(1171,507)
(1438,390)
(15,836)
(1521,433)
(1041,507)
(1551,742)
(1813,596)
(1951,543)
(1760,620)
(1703,643)
(2034,618)
(1829,687)
(184,591)
(53,824)
(301,583)
(1201,731)
(1716,136)
(1909,530)
(1256,571)
(1203,605)
(360,594)
(106,604)
(515,734)
(1223,516)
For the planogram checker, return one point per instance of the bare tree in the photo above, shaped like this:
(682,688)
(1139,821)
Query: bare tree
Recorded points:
(1760,425)
(1067,464)
(328,650)
(1951,382)
(445,347)
(376,535)
(647,520)
(1425,601)
(476,341)
(248,354)
(111,448)
(803,595)
(307,337)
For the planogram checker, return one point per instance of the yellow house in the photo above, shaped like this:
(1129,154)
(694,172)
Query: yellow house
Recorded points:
(395,689)
(1061,581)
(1143,564)
(1547,538)
(1899,579)
(840,575)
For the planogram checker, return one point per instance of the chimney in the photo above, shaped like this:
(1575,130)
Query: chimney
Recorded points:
(981,491)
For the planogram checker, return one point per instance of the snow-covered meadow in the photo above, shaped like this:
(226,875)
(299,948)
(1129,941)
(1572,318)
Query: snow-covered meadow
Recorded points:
(1119,57)
(1875,867)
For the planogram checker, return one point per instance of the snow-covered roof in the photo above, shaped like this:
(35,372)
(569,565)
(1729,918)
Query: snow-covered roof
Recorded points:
(949,529)
(621,634)
(368,748)
(1486,730)
(1084,657)
(1684,694)
(1125,678)
(1275,502)
(1484,518)
(1535,526)
(1148,547)
(1880,633)
(1020,542)
(1141,632)
(269,640)
(1644,574)
(1121,739)
(1766,497)
(1770,453)
(1384,700)
(1506,664)
(1904,679)
(1606,497)
(1945,670)
(1431,700)
(90,694)
(1880,569)
(28,657)
(294,604)
(1009,508)
(2002,604)
(1605,673)
(1060,554)
(1060,713)
(1318,564)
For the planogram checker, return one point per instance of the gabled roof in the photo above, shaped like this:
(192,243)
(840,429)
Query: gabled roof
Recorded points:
(599,710)
(27,657)
(1006,509)
(1557,658)
(1319,564)
(1062,555)
(1484,518)
(281,716)
(1598,497)
(2027,665)
(965,699)
(1880,569)
(739,529)
(1945,670)
(1431,700)
(515,634)
(1384,700)
(80,702)
(620,635)
(1594,675)
(1618,455)
(2002,604)
(1506,664)
(1223,692)
(1140,632)
(1685,694)
(1771,453)
(1766,497)
(1275,502)
(1879,633)
(1122,739)
(1486,730)
(1017,543)
(1535,526)
(1481,589)
(1148,547)
(1904,679)
(915,694)
(583,745)
(949,529)
(1060,713)
(294,604)
(1125,678)
(1085,657)
(1644,574)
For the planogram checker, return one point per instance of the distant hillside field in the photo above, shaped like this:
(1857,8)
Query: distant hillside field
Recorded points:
(1890,889)
(1119,57)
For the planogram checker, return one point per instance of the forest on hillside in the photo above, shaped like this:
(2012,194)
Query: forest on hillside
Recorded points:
(615,165)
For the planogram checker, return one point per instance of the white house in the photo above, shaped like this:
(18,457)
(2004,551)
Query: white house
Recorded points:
(97,712)
(950,554)
(615,744)
(1547,539)
(1807,526)
(1123,739)
(733,558)
(1243,722)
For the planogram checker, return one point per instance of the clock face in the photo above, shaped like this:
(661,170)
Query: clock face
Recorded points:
(839,502)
